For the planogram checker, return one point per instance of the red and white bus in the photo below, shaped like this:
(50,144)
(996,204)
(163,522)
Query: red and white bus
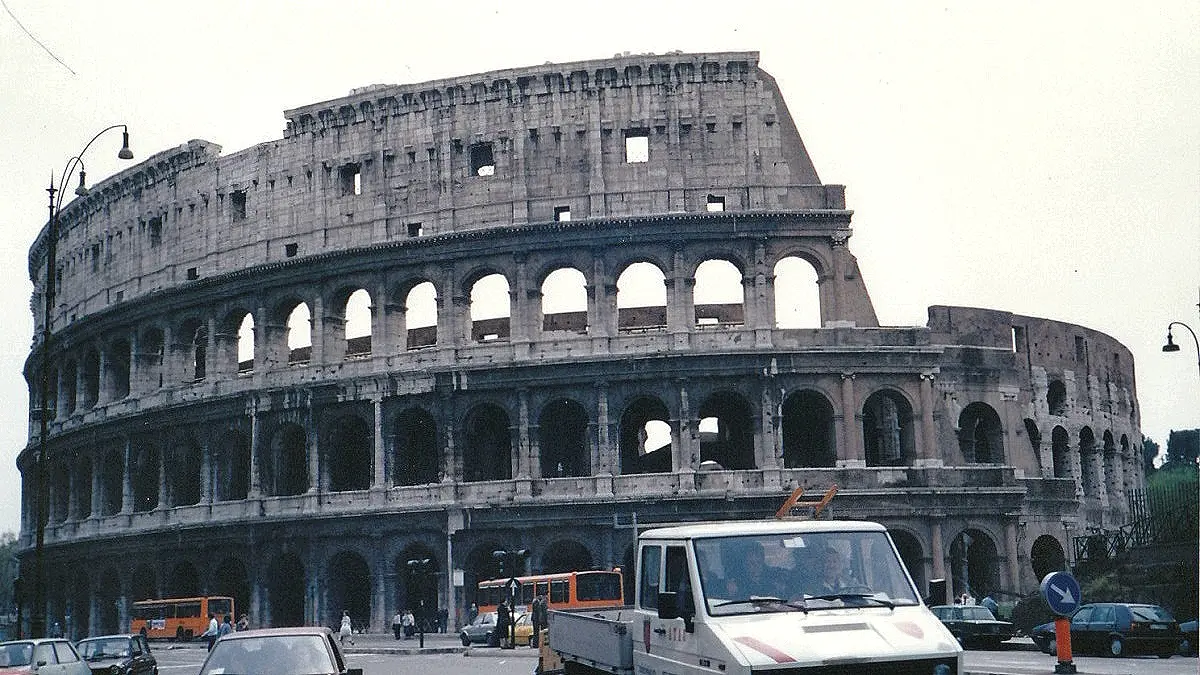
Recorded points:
(563,590)
(178,618)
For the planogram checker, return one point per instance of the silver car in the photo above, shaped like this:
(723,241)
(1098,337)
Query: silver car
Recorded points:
(45,656)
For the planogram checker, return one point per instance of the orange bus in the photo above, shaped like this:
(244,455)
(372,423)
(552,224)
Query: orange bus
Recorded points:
(179,618)
(597,588)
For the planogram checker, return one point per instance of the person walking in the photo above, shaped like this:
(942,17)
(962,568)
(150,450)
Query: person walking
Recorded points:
(213,631)
(472,612)
(502,620)
(346,632)
(539,619)
(226,627)
(397,624)
(410,624)
(243,623)
(443,619)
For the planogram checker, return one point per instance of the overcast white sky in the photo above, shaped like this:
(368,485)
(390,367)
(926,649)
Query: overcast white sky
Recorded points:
(1042,158)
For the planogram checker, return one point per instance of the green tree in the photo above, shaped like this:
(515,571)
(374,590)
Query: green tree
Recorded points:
(1149,452)
(1183,447)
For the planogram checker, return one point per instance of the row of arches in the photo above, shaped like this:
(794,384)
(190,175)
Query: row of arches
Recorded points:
(347,324)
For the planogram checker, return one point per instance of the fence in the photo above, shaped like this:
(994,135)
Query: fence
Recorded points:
(1163,515)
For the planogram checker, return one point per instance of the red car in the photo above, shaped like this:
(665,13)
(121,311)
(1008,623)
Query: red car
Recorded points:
(278,651)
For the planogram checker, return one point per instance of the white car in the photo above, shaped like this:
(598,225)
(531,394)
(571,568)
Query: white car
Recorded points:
(45,656)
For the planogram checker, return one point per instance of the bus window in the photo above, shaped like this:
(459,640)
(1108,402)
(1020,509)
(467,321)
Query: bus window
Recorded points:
(220,606)
(560,591)
(526,593)
(187,610)
(543,588)
(598,586)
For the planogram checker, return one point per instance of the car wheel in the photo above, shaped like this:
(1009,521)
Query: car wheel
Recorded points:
(465,640)
(1052,647)
(1116,647)
(179,633)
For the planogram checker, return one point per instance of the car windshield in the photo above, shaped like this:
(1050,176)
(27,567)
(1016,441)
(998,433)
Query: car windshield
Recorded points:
(93,650)
(801,572)
(16,654)
(270,655)
(1150,613)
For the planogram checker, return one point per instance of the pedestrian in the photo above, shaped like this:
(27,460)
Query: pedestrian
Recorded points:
(346,632)
(410,623)
(502,620)
(990,603)
(243,623)
(539,619)
(443,619)
(213,631)
(226,627)
(397,624)
(472,612)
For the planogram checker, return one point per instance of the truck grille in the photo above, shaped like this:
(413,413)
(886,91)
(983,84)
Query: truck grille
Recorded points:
(917,667)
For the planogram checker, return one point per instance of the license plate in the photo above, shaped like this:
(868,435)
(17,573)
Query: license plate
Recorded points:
(1158,626)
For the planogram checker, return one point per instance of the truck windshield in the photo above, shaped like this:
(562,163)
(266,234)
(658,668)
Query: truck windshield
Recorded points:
(801,572)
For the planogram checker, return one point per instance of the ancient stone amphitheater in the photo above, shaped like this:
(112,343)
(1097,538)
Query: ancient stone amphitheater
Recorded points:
(533,308)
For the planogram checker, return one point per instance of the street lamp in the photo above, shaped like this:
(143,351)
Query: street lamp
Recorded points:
(419,569)
(1172,347)
(38,615)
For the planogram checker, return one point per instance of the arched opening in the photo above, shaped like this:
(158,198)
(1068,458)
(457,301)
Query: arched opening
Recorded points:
(91,379)
(566,555)
(286,468)
(1060,445)
(231,474)
(974,565)
(480,566)
(184,473)
(490,309)
(184,581)
(349,454)
(420,316)
(727,431)
(641,298)
(718,296)
(980,437)
(349,590)
(1046,556)
(245,345)
(1056,398)
(81,606)
(1087,463)
(646,438)
(145,476)
(914,558)
(808,431)
(358,324)
(488,451)
(144,584)
(416,449)
(83,487)
(565,302)
(417,588)
(107,597)
(887,429)
(562,439)
(1035,440)
(118,370)
(299,335)
(797,295)
(230,578)
(285,583)
(68,386)
(196,335)
(60,491)
(112,482)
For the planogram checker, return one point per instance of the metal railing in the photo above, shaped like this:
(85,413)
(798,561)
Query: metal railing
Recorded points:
(1164,515)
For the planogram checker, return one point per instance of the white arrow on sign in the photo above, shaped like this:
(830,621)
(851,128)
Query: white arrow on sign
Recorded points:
(1064,594)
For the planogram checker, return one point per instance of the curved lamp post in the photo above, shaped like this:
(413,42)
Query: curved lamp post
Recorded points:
(38,616)
(1172,347)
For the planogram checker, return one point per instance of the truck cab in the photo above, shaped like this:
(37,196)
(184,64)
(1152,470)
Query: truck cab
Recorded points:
(755,597)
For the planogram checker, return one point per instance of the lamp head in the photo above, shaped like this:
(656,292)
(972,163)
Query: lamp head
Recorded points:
(1170,346)
(82,190)
(125,152)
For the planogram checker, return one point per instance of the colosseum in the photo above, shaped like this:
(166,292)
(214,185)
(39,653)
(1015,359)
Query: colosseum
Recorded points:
(533,308)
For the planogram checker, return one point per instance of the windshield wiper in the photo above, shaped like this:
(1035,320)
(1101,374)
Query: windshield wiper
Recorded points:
(754,599)
(854,596)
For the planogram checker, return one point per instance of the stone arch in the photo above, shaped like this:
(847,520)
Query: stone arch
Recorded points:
(643,450)
(726,431)
(888,429)
(108,597)
(797,293)
(718,296)
(91,378)
(421,315)
(112,481)
(974,564)
(416,457)
(144,469)
(412,591)
(183,580)
(231,466)
(354,310)
(349,454)
(1087,467)
(285,585)
(1056,398)
(563,439)
(980,436)
(566,555)
(285,469)
(1060,449)
(480,566)
(564,301)
(491,308)
(808,430)
(641,297)
(230,578)
(183,472)
(487,454)
(118,363)
(298,324)
(1046,556)
(80,602)
(912,553)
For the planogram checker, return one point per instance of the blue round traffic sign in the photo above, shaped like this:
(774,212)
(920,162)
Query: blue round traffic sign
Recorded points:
(1061,592)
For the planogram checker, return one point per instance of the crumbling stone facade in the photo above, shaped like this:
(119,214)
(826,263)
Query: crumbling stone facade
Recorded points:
(277,375)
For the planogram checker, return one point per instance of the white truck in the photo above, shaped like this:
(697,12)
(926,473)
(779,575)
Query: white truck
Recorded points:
(815,597)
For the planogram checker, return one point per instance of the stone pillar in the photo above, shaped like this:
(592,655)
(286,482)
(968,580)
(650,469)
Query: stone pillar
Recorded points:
(379,474)
(255,490)
(687,456)
(207,486)
(163,496)
(383,340)
(606,458)
(323,328)
(854,456)
(767,452)
(938,555)
(379,617)
(103,393)
(521,305)
(127,479)
(452,459)
(522,459)
(136,386)
(97,498)
(928,451)
(313,448)
(1011,554)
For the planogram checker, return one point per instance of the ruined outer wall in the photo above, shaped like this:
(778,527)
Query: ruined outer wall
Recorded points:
(716,125)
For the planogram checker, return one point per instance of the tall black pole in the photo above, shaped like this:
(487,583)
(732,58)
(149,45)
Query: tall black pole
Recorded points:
(37,617)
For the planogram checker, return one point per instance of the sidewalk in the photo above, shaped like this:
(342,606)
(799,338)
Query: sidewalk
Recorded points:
(435,643)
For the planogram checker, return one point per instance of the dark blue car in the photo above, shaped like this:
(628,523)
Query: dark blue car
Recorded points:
(1115,629)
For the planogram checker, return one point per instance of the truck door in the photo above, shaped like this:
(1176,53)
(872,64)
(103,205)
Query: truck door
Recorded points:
(669,643)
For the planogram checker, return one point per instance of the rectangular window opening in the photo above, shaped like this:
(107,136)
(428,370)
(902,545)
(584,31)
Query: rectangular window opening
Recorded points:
(154,228)
(562,214)
(351,179)
(414,229)
(715,203)
(637,146)
(193,274)
(482,161)
(290,250)
(237,205)
(1080,348)
(1018,339)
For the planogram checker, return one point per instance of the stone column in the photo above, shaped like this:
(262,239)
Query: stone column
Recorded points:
(767,451)
(323,329)
(255,491)
(313,447)
(938,554)
(383,341)
(1012,554)
(854,456)
(379,474)
(606,458)
(523,454)
(97,498)
(163,492)
(928,451)
(207,486)
(127,479)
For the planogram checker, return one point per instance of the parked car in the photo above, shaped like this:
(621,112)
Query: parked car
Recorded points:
(1115,629)
(1187,630)
(278,651)
(49,656)
(480,631)
(123,654)
(974,625)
